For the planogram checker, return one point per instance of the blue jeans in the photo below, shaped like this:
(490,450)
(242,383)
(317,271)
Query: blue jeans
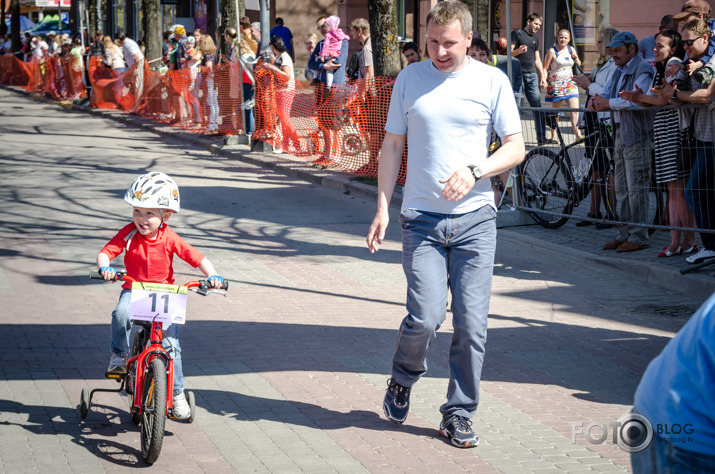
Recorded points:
(700,191)
(248,93)
(121,332)
(533,95)
(664,457)
(440,250)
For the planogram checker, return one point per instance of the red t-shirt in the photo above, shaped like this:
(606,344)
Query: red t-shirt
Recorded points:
(151,260)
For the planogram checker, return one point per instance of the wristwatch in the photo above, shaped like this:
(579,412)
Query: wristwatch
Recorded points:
(675,94)
(476,172)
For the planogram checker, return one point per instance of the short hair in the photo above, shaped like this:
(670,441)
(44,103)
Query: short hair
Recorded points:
(120,35)
(607,35)
(278,43)
(361,24)
(534,16)
(666,20)
(446,13)
(321,17)
(279,21)
(98,33)
(410,45)
(256,25)
(245,22)
(699,27)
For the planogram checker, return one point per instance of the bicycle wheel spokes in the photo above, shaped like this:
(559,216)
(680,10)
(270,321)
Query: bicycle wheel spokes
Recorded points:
(545,188)
(153,410)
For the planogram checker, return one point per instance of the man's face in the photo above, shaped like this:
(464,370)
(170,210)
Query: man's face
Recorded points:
(411,56)
(322,27)
(255,33)
(624,53)
(355,33)
(533,26)
(699,44)
(447,45)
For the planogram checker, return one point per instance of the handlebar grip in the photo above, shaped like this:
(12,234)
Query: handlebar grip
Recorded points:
(98,276)
(204,284)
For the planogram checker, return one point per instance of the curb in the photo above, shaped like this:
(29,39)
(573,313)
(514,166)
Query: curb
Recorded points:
(696,285)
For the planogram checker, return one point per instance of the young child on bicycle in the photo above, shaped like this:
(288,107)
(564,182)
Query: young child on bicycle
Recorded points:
(149,246)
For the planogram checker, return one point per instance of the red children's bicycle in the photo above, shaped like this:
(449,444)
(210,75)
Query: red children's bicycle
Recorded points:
(150,369)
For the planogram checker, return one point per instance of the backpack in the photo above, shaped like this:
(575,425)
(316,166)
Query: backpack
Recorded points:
(352,70)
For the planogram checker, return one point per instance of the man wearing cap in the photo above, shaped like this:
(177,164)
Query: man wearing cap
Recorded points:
(180,37)
(133,55)
(633,145)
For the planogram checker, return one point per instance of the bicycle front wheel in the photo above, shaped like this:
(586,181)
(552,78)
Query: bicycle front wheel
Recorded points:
(153,410)
(545,189)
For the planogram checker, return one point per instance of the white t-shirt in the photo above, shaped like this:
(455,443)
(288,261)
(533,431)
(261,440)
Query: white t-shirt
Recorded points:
(448,119)
(39,51)
(130,48)
(285,60)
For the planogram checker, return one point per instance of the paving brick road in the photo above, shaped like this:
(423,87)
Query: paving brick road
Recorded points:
(289,370)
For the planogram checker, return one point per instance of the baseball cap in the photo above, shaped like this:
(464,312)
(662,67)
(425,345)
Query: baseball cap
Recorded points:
(621,38)
(691,7)
(51,33)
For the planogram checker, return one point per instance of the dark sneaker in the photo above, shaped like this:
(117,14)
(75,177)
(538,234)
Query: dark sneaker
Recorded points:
(117,365)
(459,430)
(397,402)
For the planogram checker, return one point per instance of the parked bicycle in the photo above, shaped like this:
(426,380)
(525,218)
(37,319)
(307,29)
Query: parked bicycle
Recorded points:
(150,370)
(553,184)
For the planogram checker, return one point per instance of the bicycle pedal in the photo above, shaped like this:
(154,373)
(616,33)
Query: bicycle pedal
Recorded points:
(114,376)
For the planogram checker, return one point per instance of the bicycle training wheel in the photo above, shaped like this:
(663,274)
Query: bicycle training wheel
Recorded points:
(84,404)
(153,410)
(545,188)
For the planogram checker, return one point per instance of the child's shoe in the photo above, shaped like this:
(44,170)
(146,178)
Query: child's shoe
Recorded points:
(703,75)
(117,365)
(182,410)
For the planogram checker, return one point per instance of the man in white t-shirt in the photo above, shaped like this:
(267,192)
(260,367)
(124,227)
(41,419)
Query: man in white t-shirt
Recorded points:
(446,108)
(133,55)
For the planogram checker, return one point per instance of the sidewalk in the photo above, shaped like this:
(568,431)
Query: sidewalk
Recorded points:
(580,242)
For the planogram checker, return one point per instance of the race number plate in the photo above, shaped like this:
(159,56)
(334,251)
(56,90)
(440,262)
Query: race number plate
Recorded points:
(159,302)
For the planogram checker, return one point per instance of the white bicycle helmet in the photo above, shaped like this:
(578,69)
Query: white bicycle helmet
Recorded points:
(154,190)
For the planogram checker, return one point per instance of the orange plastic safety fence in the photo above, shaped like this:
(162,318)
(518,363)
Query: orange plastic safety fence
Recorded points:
(341,128)
(61,78)
(15,72)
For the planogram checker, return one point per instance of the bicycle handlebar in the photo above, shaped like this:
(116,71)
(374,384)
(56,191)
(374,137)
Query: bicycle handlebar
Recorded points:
(201,284)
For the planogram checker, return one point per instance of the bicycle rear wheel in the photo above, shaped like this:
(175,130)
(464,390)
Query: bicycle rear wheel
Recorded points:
(545,189)
(153,410)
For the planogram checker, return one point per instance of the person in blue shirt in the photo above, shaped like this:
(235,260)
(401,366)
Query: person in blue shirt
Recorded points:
(677,395)
(285,33)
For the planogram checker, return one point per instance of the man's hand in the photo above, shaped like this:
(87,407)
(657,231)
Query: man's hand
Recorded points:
(542,82)
(331,66)
(673,69)
(582,81)
(632,96)
(458,184)
(520,50)
(598,103)
(377,230)
(664,91)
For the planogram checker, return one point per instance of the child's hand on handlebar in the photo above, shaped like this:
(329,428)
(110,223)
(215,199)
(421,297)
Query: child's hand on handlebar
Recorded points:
(215,280)
(109,273)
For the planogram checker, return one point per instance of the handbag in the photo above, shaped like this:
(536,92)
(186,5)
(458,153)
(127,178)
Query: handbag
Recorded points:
(576,69)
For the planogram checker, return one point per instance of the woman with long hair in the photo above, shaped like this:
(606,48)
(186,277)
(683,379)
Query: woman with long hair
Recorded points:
(207,50)
(671,165)
(596,85)
(284,79)
(561,88)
